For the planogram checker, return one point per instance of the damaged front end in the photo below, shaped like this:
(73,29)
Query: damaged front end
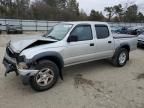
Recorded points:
(9,67)
(13,63)
(9,61)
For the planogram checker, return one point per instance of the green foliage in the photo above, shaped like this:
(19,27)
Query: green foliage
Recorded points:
(110,11)
(65,10)
(119,12)
(56,10)
(14,8)
(140,17)
(83,16)
(96,16)
(131,14)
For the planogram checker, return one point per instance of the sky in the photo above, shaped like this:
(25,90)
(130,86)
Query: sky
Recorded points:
(99,5)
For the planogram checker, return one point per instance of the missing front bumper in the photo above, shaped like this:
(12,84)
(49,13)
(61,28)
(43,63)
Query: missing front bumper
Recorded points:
(10,67)
(25,74)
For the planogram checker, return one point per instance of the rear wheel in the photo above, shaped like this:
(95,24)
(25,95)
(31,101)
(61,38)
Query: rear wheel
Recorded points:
(47,76)
(121,57)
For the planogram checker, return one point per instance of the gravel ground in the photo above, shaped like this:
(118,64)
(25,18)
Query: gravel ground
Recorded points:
(92,85)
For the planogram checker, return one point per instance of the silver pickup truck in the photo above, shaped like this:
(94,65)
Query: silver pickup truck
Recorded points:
(39,60)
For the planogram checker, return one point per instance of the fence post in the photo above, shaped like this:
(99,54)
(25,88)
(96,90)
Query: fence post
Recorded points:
(36,24)
(5,25)
(47,25)
(21,24)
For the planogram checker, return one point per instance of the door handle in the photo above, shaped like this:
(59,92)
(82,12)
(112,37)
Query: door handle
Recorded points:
(109,42)
(91,44)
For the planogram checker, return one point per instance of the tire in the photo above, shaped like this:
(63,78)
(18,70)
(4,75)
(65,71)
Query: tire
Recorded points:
(117,60)
(38,85)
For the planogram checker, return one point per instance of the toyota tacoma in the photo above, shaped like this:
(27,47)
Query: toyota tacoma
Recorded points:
(39,60)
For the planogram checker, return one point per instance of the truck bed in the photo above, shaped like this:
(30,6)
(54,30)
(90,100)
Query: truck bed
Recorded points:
(131,40)
(123,35)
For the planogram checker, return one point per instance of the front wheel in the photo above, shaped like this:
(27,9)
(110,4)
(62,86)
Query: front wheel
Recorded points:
(121,57)
(47,76)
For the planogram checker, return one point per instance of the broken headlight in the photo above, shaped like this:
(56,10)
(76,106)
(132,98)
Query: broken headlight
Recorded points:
(21,59)
(22,65)
(21,62)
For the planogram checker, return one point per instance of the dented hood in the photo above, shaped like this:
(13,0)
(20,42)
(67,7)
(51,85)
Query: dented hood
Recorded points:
(19,44)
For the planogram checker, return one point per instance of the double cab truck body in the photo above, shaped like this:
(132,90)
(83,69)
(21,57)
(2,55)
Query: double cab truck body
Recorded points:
(39,60)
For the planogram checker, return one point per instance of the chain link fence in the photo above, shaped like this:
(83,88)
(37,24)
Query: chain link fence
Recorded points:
(28,25)
(39,25)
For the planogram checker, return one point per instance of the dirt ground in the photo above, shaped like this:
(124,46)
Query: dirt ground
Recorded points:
(92,85)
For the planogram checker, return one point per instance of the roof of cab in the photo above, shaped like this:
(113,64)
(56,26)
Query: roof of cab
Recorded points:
(86,22)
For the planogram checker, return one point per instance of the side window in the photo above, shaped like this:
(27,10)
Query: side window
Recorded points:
(102,31)
(83,32)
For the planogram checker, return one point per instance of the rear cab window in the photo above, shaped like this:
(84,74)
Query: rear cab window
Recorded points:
(102,31)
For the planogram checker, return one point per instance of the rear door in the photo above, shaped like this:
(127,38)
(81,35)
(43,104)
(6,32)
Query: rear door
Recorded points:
(104,42)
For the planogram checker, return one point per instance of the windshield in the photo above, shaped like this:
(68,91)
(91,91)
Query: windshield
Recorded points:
(59,31)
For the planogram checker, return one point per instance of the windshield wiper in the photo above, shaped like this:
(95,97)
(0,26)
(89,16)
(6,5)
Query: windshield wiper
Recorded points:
(52,37)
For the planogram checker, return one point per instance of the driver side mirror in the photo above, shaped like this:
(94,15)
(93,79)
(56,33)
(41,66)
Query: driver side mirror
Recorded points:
(72,38)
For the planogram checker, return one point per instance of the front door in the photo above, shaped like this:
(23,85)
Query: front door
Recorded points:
(81,50)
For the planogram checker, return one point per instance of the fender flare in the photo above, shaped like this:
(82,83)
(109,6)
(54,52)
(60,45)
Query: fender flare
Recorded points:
(46,55)
(121,46)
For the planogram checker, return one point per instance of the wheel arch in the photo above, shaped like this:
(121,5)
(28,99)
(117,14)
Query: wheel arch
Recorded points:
(52,56)
(125,46)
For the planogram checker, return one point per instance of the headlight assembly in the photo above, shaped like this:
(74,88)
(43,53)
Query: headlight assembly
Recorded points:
(21,62)
(21,59)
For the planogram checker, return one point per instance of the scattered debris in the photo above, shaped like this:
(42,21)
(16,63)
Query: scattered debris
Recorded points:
(79,80)
(141,88)
(96,85)
(140,76)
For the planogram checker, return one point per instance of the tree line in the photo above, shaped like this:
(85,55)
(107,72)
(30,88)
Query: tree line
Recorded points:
(66,10)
